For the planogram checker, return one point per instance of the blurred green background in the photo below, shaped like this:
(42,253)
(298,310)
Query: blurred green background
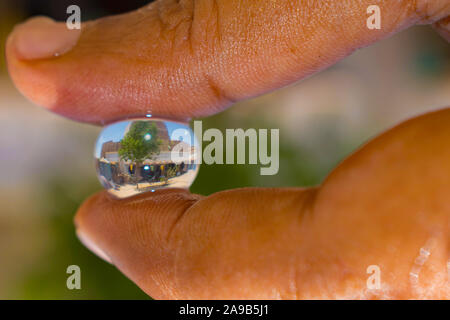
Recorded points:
(47,166)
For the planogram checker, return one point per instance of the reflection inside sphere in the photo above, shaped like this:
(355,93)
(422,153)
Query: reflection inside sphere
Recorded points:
(142,155)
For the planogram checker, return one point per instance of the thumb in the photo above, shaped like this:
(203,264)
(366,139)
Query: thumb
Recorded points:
(193,57)
(386,206)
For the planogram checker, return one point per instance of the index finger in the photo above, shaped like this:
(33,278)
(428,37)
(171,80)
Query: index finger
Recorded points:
(191,58)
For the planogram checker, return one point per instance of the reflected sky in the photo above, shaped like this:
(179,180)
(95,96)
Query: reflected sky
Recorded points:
(115,132)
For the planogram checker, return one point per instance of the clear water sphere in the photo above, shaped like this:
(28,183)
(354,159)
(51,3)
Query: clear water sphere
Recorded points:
(143,155)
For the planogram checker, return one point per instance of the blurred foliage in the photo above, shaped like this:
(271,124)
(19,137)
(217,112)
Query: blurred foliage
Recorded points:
(99,280)
(47,280)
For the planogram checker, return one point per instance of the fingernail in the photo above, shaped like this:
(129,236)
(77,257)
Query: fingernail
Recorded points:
(42,37)
(88,243)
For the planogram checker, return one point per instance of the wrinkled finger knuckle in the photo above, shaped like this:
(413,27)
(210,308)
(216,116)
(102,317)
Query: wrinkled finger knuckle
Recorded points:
(189,24)
(193,29)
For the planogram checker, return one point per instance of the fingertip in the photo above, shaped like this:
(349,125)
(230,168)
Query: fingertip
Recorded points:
(87,207)
(88,243)
(103,211)
(33,66)
(82,225)
(132,233)
(42,37)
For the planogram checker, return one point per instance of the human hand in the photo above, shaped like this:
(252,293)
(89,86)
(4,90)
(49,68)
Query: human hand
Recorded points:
(194,58)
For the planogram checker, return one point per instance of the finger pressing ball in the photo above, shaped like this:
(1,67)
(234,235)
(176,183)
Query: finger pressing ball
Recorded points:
(142,155)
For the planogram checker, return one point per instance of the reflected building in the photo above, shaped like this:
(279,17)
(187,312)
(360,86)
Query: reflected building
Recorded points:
(109,151)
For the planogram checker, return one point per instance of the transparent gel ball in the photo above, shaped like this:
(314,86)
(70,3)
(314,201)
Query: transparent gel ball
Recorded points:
(143,155)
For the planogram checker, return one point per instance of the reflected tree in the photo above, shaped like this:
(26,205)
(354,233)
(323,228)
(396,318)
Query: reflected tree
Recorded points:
(140,142)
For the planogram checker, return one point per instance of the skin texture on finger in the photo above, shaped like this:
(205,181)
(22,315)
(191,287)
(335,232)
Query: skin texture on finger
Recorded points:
(180,59)
(386,206)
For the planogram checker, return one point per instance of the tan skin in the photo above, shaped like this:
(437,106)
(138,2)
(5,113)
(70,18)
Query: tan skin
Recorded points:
(379,207)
